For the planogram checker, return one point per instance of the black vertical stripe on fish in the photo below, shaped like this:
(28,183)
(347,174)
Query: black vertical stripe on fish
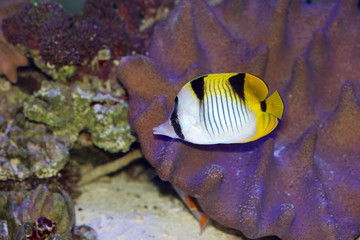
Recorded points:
(235,102)
(246,115)
(217,107)
(174,120)
(203,117)
(243,111)
(208,113)
(238,109)
(223,107)
(197,86)
(237,83)
(246,110)
(228,106)
(263,106)
(237,106)
(232,100)
(213,108)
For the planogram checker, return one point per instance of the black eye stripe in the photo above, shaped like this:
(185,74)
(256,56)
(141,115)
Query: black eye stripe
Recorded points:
(174,120)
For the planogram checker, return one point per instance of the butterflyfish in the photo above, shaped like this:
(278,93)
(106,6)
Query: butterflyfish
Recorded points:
(223,108)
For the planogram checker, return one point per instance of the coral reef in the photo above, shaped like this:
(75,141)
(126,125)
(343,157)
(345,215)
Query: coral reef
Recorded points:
(42,229)
(59,38)
(300,182)
(68,46)
(69,110)
(26,148)
(21,210)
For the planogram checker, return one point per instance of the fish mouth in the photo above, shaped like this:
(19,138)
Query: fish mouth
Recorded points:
(165,129)
(157,130)
(162,129)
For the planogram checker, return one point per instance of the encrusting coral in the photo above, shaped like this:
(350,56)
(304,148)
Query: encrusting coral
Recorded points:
(69,110)
(26,148)
(79,92)
(300,182)
(65,46)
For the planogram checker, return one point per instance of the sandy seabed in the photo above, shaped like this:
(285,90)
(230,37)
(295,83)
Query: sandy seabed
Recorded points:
(125,209)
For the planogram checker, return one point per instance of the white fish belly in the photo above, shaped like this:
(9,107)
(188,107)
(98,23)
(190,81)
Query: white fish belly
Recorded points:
(233,135)
(225,121)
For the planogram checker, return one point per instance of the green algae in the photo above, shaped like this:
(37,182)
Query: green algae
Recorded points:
(26,148)
(62,73)
(68,110)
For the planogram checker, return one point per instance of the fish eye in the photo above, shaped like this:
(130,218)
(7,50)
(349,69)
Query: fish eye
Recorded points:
(174,121)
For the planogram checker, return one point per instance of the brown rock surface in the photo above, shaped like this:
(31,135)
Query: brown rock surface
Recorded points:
(10,59)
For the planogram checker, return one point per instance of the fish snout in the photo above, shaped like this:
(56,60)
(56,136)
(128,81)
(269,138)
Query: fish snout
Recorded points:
(165,129)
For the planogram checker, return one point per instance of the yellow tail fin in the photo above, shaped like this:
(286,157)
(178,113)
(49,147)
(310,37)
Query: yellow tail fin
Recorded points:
(274,105)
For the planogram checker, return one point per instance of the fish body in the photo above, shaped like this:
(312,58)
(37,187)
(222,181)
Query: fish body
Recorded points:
(223,108)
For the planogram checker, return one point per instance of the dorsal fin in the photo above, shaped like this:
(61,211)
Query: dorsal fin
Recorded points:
(256,89)
(246,86)
(197,86)
(237,83)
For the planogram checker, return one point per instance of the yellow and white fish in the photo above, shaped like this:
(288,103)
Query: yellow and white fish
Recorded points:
(223,108)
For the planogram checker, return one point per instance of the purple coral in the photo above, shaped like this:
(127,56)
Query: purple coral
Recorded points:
(300,182)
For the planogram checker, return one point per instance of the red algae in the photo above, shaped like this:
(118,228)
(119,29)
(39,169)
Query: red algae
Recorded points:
(57,40)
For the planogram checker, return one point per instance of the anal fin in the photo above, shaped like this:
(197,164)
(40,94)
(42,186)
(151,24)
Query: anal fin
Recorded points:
(190,203)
